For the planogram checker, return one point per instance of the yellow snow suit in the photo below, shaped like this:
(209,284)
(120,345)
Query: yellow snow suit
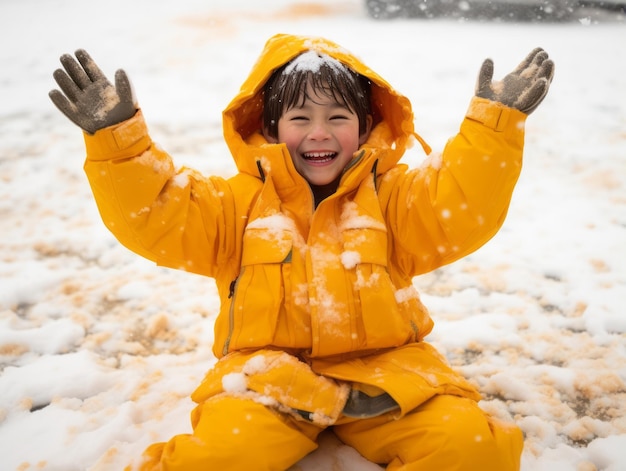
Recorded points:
(318,303)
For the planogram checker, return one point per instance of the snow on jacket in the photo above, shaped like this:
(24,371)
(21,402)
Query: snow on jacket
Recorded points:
(332,285)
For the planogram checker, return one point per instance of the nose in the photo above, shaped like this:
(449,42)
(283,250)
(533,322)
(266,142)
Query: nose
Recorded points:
(319,131)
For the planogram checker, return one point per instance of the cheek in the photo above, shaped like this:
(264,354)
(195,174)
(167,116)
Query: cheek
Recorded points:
(291,143)
(350,138)
(289,136)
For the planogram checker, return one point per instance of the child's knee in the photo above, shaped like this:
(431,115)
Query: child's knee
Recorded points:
(447,432)
(224,426)
(464,438)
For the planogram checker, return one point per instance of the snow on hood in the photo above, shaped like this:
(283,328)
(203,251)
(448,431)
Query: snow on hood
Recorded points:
(242,118)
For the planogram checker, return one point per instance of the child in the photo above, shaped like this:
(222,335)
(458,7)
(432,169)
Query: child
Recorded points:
(313,245)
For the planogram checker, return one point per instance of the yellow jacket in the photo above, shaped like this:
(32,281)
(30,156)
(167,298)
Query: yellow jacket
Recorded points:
(330,285)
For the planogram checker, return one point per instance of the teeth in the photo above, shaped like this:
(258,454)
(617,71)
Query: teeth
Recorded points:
(319,155)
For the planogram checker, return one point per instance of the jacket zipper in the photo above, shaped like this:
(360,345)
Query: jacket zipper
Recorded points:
(231,311)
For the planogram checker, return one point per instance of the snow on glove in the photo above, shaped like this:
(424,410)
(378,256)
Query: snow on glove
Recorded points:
(524,88)
(89,99)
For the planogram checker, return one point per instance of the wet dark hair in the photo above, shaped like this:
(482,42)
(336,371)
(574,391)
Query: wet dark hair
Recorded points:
(328,77)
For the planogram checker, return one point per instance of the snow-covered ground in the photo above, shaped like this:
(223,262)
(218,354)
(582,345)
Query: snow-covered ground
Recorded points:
(99,349)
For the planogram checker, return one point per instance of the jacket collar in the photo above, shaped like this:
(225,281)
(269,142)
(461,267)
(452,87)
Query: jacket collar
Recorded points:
(265,160)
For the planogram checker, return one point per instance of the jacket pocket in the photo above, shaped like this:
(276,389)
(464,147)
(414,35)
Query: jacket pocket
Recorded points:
(261,288)
(381,321)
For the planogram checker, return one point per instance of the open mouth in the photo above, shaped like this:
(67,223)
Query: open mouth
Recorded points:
(319,157)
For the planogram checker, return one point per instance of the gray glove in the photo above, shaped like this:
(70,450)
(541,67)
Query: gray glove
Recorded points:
(524,88)
(88,98)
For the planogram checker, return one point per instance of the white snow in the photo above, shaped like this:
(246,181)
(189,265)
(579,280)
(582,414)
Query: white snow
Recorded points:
(255,365)
(235,383)
(99,349)
(311,61)
(350,259)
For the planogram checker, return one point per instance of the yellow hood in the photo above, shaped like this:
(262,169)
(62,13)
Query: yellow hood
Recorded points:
(242,119)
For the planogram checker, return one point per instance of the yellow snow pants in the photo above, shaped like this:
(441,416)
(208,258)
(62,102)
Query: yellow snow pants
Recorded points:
(446,433)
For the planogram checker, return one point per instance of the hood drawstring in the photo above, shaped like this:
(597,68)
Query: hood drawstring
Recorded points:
(423,143)
(261,171)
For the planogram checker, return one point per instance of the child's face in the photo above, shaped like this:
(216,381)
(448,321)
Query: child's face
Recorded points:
(321,135)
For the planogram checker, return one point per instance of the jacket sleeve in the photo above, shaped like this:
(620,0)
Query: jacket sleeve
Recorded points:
(456,201)
(177,219)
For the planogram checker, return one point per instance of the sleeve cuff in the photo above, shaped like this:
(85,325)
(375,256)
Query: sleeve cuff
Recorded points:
(495,115)
(126,139)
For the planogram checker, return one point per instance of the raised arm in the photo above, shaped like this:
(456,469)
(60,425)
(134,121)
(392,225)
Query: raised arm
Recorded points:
(174,217)
(458,200)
